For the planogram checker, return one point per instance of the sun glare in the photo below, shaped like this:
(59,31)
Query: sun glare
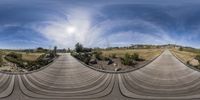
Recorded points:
(71,29)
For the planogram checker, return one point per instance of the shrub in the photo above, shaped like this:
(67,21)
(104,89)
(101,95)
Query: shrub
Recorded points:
(106,58)
(130,59)
(29,65)
(127,59)
(87,60)
(15,55)
(19,62)
(113,55)
(15,58)
(197,58)
(84,57)
(135,56)
(98,55)
(181,49)
(87,49)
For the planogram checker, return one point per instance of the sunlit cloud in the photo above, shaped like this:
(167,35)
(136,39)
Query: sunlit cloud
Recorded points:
(102,24)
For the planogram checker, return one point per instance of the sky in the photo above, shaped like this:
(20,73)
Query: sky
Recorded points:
(98,23)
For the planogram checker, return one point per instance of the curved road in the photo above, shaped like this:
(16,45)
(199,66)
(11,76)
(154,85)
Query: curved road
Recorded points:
(66,79)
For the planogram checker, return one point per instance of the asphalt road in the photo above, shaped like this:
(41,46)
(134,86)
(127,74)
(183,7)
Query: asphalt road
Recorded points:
(66,79)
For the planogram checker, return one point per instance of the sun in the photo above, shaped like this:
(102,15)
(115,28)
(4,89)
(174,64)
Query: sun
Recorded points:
(71,29)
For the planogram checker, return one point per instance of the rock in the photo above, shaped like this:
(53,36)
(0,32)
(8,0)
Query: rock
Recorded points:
(194,62)
(118,69)
(93,61)
(134,62)
(110,62)
(115,64)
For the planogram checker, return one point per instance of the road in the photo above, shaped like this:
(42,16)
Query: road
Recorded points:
(166,78)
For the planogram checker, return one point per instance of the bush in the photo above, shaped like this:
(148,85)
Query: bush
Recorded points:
(29,65)
(181,49)
(87,50)
(113,55)
(130,59)
(98,55)
(87,60)
(15,55)
(127,59)
(106,58)
(19,62)
(84,57)
(197,58)
(135,56)
(40,49)
(15,58)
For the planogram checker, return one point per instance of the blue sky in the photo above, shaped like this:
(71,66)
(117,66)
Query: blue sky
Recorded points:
(95,23)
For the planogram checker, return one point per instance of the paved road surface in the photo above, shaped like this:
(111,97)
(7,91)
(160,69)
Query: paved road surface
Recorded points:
(66,79)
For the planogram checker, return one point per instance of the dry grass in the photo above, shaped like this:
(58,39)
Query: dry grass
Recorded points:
(31,56)
(26,56)
(184,55)
(146,54)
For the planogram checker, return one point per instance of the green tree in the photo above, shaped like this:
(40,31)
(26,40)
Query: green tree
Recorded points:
(181,49)
(79,47)
(55,51)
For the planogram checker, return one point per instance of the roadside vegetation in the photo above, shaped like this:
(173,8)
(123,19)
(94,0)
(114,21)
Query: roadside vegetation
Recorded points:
(189,56)
(1,59)
(114,59)
(24,61)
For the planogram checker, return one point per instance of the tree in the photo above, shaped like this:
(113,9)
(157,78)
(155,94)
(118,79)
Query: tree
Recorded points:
(68,50)
(55,50)
(40,49)
(181,49)
(79,47)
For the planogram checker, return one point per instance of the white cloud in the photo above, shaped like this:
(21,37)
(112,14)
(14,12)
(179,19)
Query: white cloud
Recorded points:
(85,32)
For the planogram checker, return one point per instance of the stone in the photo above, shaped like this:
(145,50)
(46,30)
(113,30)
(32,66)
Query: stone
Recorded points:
(194,62)
(115,64)
(118,69)
(110,62)
(93,61)
(134,62)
